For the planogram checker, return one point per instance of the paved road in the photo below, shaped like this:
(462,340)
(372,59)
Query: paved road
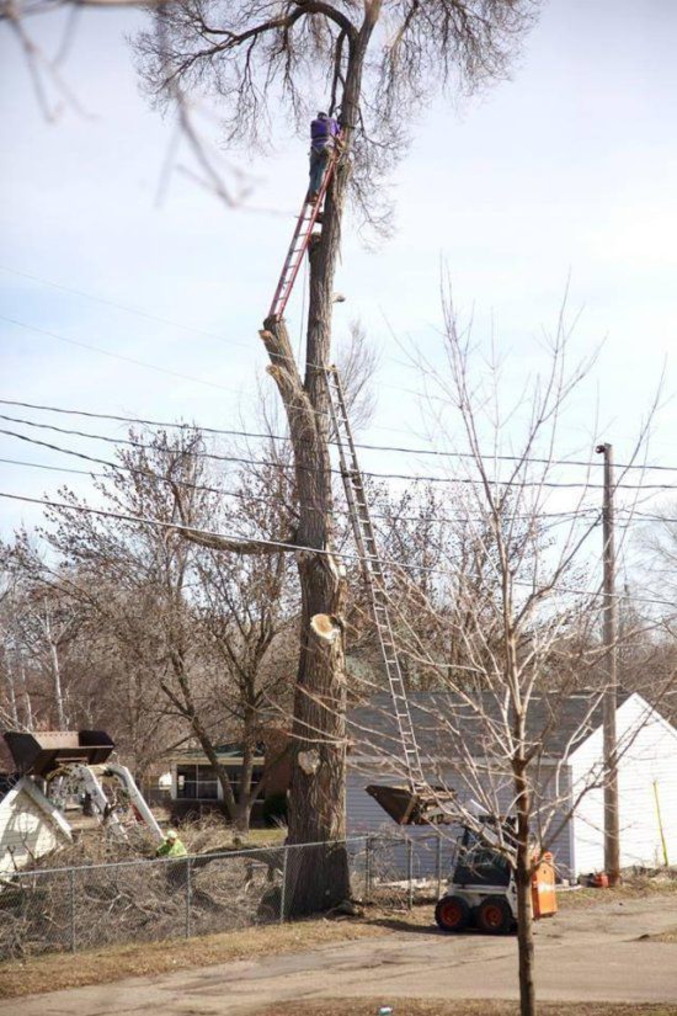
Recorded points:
(591,955)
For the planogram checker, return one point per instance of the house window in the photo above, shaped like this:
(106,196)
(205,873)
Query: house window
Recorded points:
(196,783)
(234,774)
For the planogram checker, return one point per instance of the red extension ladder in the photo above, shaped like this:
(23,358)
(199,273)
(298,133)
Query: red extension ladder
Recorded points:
(299,245)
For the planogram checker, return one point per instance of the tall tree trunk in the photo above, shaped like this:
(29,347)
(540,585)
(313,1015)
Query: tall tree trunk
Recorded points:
(245,798)
(27,697)
(525,917)
(319,878)
(58,693)
(11,691)
(188,710)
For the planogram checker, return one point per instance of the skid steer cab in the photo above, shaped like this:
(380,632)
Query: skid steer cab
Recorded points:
(482,893)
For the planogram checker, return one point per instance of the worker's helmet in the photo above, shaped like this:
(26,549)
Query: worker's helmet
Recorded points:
(172,834)
(322,116)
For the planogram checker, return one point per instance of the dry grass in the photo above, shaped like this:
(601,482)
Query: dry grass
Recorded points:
(433,1007)
(635,887)
(58,971)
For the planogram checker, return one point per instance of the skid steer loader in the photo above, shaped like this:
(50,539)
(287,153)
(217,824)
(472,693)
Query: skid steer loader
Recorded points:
(482,892)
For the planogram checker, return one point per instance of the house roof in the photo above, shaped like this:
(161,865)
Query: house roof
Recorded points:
(447,727)
(231,753)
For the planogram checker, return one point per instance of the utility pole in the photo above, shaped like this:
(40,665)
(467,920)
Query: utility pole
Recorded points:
(611,819)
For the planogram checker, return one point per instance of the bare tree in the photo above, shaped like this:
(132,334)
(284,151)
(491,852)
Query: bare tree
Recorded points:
(207,634)
(527,619)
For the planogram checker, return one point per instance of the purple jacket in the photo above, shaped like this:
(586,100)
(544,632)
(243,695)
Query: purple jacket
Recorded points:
(323,132)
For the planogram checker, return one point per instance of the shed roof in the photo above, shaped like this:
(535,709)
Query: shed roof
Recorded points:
(446,725)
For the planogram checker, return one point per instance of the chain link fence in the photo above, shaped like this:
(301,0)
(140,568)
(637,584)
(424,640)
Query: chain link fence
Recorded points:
(88,907)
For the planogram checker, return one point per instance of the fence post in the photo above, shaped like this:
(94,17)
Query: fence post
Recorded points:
(410,870)
(71,908)
(189,894)
(367,868)
(439,865)
(283,893)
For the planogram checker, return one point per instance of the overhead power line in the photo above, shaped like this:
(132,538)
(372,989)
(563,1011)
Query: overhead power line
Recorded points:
(241,538)
(118,356)
(166,321)
(408,450)
(220,457)
(106,302)
(394,518)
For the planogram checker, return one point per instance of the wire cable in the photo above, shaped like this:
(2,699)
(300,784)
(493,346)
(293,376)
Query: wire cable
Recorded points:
(392,519)
(239,538)
(220,457)
(116,418)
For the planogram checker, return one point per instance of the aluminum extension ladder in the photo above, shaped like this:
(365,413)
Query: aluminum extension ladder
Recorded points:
(363,531)
(299,244)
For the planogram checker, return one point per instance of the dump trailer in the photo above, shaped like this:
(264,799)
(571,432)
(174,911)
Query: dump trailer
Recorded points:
(482,891)
(81,759)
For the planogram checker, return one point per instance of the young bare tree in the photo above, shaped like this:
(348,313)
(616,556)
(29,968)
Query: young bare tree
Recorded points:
(378,61)
(528,686)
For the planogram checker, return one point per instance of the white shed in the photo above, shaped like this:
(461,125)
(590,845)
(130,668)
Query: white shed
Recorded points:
(30,826)
(647,790)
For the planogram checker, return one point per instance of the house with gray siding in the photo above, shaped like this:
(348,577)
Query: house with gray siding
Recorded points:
(568,786)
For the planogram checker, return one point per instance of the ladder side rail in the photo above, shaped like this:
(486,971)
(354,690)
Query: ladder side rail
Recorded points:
(284,286)
(290,252)
(398,692)
(315,209)
(347,486)
(364,532)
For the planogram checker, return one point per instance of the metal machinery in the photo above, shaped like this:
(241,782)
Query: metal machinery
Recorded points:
(482,892)
(74,762)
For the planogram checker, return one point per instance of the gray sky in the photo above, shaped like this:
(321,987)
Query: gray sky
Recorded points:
(566,170)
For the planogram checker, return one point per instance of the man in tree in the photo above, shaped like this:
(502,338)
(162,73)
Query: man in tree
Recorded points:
(324,137)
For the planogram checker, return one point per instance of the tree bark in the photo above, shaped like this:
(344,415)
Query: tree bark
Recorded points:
(317,794)
(9,675)
(525,917)
(58,693)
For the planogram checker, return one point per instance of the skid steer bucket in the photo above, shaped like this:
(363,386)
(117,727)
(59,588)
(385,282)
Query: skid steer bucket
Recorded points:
(44,751)
(408,807)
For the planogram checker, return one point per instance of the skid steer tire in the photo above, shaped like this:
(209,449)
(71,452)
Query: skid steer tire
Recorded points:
(493,916)
(452,914)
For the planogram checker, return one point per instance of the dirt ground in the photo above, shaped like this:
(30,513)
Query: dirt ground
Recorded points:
(614,951)
(421,1007)
(60,971)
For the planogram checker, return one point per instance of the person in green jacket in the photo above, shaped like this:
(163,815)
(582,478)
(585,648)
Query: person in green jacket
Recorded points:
(172,846)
